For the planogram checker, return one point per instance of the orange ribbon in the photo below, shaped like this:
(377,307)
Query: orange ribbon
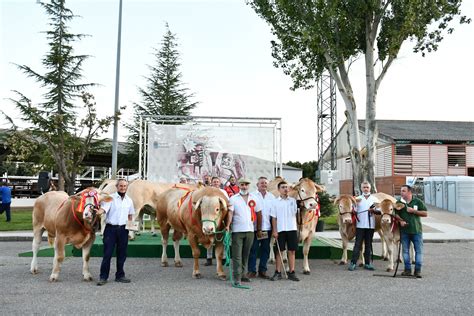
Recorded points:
(252,205)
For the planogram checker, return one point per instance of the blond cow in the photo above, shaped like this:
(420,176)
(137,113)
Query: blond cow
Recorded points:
(305,193)
(199,214)
(67,220)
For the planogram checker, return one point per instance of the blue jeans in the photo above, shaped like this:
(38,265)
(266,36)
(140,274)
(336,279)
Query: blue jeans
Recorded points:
(417,240)
(264,245)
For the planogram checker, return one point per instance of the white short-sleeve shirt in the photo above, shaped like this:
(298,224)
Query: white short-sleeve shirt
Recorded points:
(366,220)
(284,210)
(242,214)
(118,209)
(266,203)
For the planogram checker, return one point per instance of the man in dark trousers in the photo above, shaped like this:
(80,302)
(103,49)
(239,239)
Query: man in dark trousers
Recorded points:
(5,199)
(117,212)
(411,230)
(365,227)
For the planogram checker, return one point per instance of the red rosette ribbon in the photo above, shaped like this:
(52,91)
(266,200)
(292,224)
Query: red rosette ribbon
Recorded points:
(252,205)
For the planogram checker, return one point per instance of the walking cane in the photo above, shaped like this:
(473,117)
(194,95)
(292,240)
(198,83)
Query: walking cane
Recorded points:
(281,258)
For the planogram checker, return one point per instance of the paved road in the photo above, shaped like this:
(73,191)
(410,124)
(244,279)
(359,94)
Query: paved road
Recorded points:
(447,288)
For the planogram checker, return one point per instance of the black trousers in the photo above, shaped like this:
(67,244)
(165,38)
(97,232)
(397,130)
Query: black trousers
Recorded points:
(115,238)
(366,235)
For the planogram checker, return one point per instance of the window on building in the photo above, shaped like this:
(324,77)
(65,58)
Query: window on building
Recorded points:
(403,150)
(456,156)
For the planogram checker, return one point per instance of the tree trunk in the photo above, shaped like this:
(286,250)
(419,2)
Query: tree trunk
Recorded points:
(368,158)
(71,184)
(353,138)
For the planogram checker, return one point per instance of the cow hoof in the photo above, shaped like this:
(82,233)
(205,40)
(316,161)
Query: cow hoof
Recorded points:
(271,261)
(399,260)
(389,270)
(197,276)
(307,272)
(34,271)
(53,279)
(154,235)
(285,260)
(341,263)
(413,262)
(361,265)
(138,234)
(222,277)
(164,264)
(385,259)
(178,264)
(87,278)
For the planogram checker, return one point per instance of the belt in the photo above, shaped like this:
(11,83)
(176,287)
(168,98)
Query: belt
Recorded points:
(115,226)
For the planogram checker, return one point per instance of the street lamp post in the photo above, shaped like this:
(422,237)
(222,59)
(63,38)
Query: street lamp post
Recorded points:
(117,88)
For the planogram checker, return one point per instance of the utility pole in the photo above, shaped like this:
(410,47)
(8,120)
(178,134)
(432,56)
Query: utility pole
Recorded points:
(116,108)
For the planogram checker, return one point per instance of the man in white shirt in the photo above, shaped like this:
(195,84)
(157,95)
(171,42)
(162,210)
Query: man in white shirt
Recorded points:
(117,212)
(216,183)
(365,227)
(283,213)
(244,211)
(265,199)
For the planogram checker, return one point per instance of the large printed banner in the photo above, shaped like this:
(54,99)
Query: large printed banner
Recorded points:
(197,151)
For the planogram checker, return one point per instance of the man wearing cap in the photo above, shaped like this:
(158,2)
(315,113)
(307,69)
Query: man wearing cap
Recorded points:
(244,211)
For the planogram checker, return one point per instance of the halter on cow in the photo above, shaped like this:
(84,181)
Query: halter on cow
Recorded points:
(87,206)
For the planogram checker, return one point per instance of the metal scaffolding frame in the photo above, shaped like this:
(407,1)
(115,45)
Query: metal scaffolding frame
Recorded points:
(326,109)
(273,122)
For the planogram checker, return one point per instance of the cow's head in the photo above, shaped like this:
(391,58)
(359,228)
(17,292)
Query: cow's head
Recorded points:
(213,211)
(86,204)
(346,205)
(388,208)
(305,192)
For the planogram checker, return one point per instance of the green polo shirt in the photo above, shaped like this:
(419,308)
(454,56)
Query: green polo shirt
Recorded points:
(414,221)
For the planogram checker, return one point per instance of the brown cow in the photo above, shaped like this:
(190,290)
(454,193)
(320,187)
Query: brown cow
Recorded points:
(305,193)
(199,214)
(390,227)
(346,219)
(67,220)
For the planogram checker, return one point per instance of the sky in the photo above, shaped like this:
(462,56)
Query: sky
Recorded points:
(226,61)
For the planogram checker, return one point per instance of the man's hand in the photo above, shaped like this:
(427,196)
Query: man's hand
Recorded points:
(275,234)
(403,223)
(410,210)
(259,234)
(227,228)
(100,211)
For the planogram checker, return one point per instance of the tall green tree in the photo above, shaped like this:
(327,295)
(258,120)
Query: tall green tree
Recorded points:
(313,36)
(164,92)
(309,168)
(55,122)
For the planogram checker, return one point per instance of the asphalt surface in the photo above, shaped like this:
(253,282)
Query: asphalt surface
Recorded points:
(446,288)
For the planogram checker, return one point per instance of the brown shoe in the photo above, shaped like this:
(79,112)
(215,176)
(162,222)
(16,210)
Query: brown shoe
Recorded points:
(406,273)
(252,275)
(263,275)
(417,274)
